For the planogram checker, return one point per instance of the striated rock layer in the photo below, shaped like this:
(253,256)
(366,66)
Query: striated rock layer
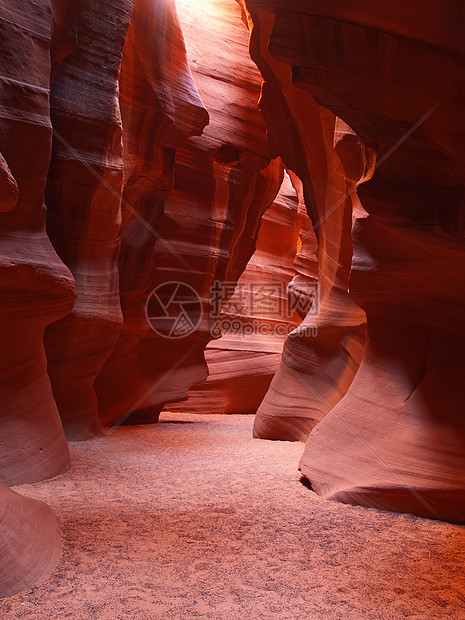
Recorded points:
(36,288)
(320,357)
(222,183)
(397,439)
(161,107)
(156,171)
(83,197)
(30,542)
(255,321)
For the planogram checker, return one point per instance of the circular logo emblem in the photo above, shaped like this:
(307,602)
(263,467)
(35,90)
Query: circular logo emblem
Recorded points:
(173,310)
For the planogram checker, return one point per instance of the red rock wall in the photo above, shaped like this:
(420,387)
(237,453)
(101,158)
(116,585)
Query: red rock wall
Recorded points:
(316,370)
(36,288)
(138,196)
(30,541)
(83,197)
(255,321)
(222,183)
(74,53)
(396,440)
(161,107)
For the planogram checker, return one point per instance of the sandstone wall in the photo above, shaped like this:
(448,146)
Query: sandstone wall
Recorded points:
(315,371)
(133,155)
(223,181)
(396,440)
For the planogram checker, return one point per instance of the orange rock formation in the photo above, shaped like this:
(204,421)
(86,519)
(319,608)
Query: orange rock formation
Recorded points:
(135,158)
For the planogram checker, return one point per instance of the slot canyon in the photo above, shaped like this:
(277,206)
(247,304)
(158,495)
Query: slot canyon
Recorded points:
(232,301)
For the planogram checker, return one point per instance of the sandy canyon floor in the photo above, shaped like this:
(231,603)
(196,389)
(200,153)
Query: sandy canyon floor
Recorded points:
(192,518)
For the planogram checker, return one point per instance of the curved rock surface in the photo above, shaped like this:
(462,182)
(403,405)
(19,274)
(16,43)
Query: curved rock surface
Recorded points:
(83,197)
(255,321)
(397,439)
(8,187)
(161,107)
(149,150)
(36,288)
(320,358)
(223,181)
(30,541)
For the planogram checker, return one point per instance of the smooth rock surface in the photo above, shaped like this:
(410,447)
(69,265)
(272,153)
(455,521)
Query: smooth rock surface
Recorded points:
(397,439)
(139,131)
(223,181)
(254,322)
(83,197)
(36,288)
(30,541)
(321,357)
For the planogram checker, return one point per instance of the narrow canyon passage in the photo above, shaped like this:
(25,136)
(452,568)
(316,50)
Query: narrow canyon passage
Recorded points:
(232,207)
(192,518)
